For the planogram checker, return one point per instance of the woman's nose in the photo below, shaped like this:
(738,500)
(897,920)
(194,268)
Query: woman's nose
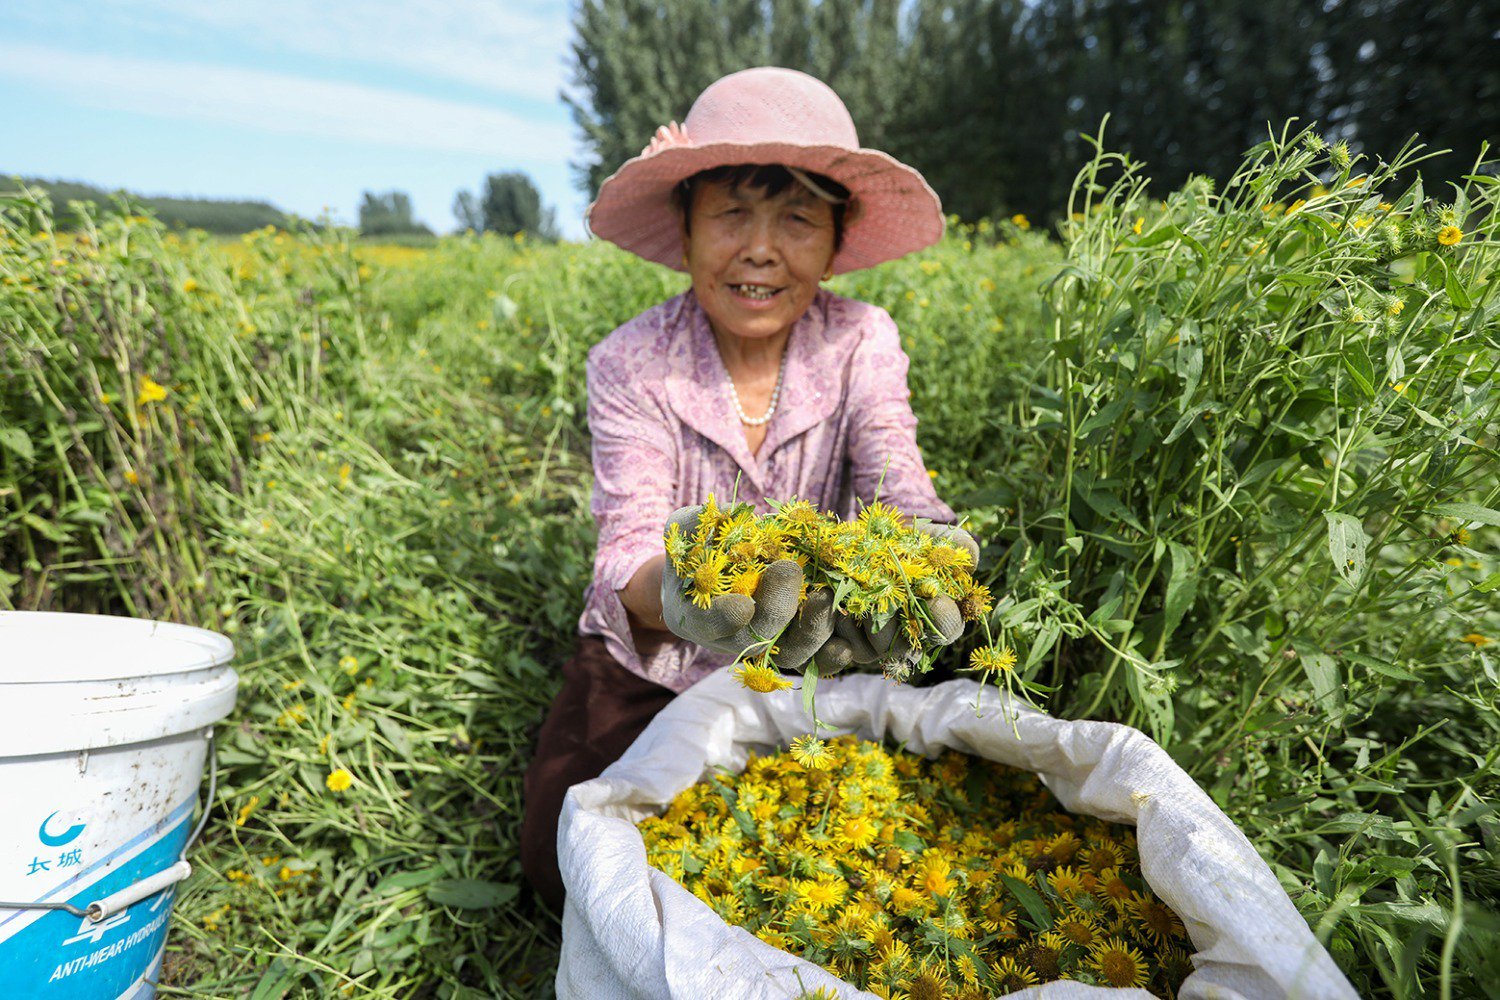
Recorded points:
(760,241)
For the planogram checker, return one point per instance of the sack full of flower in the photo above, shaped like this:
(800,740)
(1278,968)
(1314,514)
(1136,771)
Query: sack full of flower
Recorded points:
(631,929)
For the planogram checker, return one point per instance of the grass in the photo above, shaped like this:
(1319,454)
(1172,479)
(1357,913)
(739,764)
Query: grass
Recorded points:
(1229,491)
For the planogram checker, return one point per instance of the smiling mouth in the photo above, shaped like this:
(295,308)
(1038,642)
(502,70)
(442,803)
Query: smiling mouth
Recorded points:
(761,292)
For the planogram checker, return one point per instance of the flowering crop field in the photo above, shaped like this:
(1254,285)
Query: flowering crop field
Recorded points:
(1231,454)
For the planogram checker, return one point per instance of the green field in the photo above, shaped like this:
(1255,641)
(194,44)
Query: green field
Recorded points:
(1232,455)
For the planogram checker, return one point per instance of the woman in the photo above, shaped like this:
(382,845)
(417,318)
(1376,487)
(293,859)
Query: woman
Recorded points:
(755,382)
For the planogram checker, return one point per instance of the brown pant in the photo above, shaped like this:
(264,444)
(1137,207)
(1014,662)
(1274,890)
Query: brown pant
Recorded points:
(599,712)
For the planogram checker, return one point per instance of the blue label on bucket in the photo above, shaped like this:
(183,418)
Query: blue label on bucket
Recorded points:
(61,955)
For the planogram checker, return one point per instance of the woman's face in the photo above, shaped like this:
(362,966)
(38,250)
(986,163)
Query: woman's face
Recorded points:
(756,260)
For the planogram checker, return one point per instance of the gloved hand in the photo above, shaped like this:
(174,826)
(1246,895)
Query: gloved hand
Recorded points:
(734,622)
(866,645)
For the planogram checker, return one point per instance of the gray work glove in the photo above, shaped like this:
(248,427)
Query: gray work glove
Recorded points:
(734,622)
(866,645)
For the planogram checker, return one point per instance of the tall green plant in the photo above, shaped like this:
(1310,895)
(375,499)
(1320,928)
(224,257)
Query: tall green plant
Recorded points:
(1243,503)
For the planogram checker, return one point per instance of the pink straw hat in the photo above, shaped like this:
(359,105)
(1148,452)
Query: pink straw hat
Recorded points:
(769,115)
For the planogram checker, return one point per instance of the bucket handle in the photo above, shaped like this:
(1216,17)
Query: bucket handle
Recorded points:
(138,890)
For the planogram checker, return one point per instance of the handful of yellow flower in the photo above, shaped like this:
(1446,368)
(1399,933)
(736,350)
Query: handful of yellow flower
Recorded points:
(947,879)
(909,590)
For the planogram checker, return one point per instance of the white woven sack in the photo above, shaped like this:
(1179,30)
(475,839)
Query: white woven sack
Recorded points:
(631,931)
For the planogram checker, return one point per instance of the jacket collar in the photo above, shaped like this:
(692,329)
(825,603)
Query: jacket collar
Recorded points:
(698,383)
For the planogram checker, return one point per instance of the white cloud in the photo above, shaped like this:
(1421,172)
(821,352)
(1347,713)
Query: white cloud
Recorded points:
(283,103)
(513,47)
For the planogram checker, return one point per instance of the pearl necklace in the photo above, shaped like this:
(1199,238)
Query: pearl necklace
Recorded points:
(775,396)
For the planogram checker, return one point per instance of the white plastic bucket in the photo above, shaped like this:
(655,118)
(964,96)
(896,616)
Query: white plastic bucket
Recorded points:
(104,724)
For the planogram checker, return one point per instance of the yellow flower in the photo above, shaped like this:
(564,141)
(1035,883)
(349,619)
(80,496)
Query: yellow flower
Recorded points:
(1010,976)
(819,894)
(246,810)
(927,981)
(1139,223)
(706,579)
(745,579)
(1399,387)
(935,877)
(812,753)
(761,678)
(339,780)
(190,285)
(1449,235)
(349,664)
(1156,918)
(1476,640)
(1295,206)
(1021,221)
(151,391)
(992,659)
(132,477)
(1119,964)
(858,832)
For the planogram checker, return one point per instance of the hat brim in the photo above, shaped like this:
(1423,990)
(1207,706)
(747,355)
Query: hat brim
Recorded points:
(899,213)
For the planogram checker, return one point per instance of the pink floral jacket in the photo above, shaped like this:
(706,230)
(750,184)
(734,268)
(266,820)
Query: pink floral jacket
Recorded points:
(665,435)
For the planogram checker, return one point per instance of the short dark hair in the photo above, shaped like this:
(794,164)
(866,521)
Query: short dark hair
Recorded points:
(772,178)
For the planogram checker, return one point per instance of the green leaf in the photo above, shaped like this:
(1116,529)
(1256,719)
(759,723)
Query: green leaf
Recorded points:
(908,841)
(395,734)
(1189,367)
(1323,674)
(46,529)
(1346,544)
(809,686)
(1457,294)
(471,893)
(16,440)
(1103,502)
(1490,583)
(1045,638)
(1182,588)
(1186,420)
(1157,236)
(1357,363)
(1040,915)
(1467,511)
(412,879)
(1382,667)
(1105,417)
(275,982)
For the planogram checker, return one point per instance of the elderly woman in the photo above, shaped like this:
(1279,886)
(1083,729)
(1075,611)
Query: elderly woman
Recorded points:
(754,383)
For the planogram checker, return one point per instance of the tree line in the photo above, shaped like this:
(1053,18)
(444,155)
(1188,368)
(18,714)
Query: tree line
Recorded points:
(988,98)
(507,203)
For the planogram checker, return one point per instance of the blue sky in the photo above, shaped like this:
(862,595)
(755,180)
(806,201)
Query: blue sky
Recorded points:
(305,104)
